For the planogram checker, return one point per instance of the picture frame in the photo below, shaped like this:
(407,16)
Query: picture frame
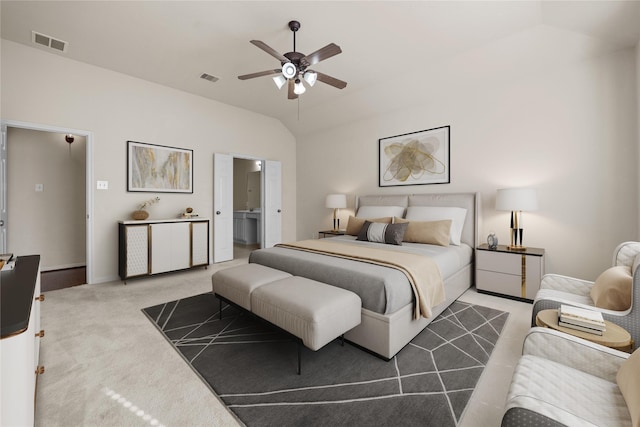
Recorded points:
(158,168)
(415,158)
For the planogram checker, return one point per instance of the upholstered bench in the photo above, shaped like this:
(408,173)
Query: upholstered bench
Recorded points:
(237,283)
(313,312)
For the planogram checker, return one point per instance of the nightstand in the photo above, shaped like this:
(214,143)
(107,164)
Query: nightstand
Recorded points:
(330,233)
(504,272)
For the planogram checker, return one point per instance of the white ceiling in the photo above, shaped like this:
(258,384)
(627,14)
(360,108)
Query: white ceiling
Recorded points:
(385,44)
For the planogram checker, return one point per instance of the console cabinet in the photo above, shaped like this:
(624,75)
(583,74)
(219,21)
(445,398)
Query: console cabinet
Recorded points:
(20,344)
(160,246)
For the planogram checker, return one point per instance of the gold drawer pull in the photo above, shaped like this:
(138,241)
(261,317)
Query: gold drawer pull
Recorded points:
(40,370)
(40,298)
(40,334)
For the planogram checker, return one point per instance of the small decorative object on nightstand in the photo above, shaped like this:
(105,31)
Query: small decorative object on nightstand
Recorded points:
(492,241)
(330,233)
(512,273)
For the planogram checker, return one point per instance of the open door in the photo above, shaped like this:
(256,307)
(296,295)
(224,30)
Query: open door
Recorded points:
(222,207)
(272,203)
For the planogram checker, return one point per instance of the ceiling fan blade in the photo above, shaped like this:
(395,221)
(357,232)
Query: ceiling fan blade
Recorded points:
(326,52)
(292,94)
(340,84)
(271,51)
(259,74)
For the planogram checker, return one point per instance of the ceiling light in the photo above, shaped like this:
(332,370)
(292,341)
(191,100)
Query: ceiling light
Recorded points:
(311,77)
(289,70)
(279,80)
(299,88)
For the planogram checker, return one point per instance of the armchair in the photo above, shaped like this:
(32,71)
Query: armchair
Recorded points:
(562,380)
(556,289)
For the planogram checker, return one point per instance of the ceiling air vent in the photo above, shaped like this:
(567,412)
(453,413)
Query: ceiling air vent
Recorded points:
(48,41)
(209,77)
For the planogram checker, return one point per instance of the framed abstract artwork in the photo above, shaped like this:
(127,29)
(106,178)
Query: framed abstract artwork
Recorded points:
(159,169)
(415,158)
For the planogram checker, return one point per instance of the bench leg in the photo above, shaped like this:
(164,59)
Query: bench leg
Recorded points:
(342,340)
(220,307)
(299,358)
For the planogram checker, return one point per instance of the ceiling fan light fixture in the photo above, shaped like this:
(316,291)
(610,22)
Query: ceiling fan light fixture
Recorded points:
(299,88)
(289,70)
(311,77)
(279,80)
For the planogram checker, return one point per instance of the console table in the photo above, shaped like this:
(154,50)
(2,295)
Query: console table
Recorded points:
(159,246)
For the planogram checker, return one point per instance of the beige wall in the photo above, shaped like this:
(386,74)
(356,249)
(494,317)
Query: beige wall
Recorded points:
(50,223)
(43,88)
(570,131)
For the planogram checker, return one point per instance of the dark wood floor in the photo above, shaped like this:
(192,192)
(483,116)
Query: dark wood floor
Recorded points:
(60,279)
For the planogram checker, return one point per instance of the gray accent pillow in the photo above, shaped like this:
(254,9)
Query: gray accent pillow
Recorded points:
(391,234)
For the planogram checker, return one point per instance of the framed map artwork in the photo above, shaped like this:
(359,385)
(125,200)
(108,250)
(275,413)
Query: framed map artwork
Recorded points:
(159,169)
(415,158)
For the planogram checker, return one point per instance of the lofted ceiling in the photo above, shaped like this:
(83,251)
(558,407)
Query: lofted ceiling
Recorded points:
(390,48)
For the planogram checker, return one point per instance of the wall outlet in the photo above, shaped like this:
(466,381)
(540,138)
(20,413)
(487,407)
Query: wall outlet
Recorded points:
(102,185)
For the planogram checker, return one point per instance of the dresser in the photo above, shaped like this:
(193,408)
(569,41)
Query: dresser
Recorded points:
(20,367)
(510,273)
(161,246)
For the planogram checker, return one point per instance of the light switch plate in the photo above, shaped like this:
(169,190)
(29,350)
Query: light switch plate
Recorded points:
(39,187)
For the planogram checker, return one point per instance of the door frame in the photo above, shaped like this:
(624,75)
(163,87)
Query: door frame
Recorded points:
(4,124)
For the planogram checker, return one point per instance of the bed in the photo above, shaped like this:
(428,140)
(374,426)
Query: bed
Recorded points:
(389,303)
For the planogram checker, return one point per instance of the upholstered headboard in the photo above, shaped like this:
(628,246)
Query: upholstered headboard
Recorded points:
(468,201)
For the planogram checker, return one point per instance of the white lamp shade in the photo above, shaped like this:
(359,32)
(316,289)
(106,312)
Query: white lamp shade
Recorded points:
(336,201)
(516,199)
(299,88)
(310,77)
(279,80)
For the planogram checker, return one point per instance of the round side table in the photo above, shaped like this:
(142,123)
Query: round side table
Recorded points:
(614,336)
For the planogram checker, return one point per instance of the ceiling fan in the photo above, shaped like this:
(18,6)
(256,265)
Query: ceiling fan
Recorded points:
(295,66)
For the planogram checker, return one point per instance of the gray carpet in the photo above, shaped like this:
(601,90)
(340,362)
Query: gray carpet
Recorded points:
(252,368)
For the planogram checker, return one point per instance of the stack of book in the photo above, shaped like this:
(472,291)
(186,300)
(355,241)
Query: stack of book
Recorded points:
(581,319)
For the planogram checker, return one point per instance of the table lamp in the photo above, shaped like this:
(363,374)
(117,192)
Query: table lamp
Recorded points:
(336,201)
(516,200)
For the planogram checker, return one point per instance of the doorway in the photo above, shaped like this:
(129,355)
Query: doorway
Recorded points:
(270,225)
(247,206)
(47,200)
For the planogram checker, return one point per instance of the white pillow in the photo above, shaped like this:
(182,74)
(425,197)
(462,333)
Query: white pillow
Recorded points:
(379,211)
(438,213)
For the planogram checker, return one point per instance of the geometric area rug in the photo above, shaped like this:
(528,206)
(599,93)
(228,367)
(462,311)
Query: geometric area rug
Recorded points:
(252,368)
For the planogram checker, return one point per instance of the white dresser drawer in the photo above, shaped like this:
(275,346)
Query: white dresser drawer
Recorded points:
(497,261)
(507,284)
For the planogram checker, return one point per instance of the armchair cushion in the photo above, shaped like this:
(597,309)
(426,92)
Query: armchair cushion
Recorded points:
(629,384)
(612,289)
